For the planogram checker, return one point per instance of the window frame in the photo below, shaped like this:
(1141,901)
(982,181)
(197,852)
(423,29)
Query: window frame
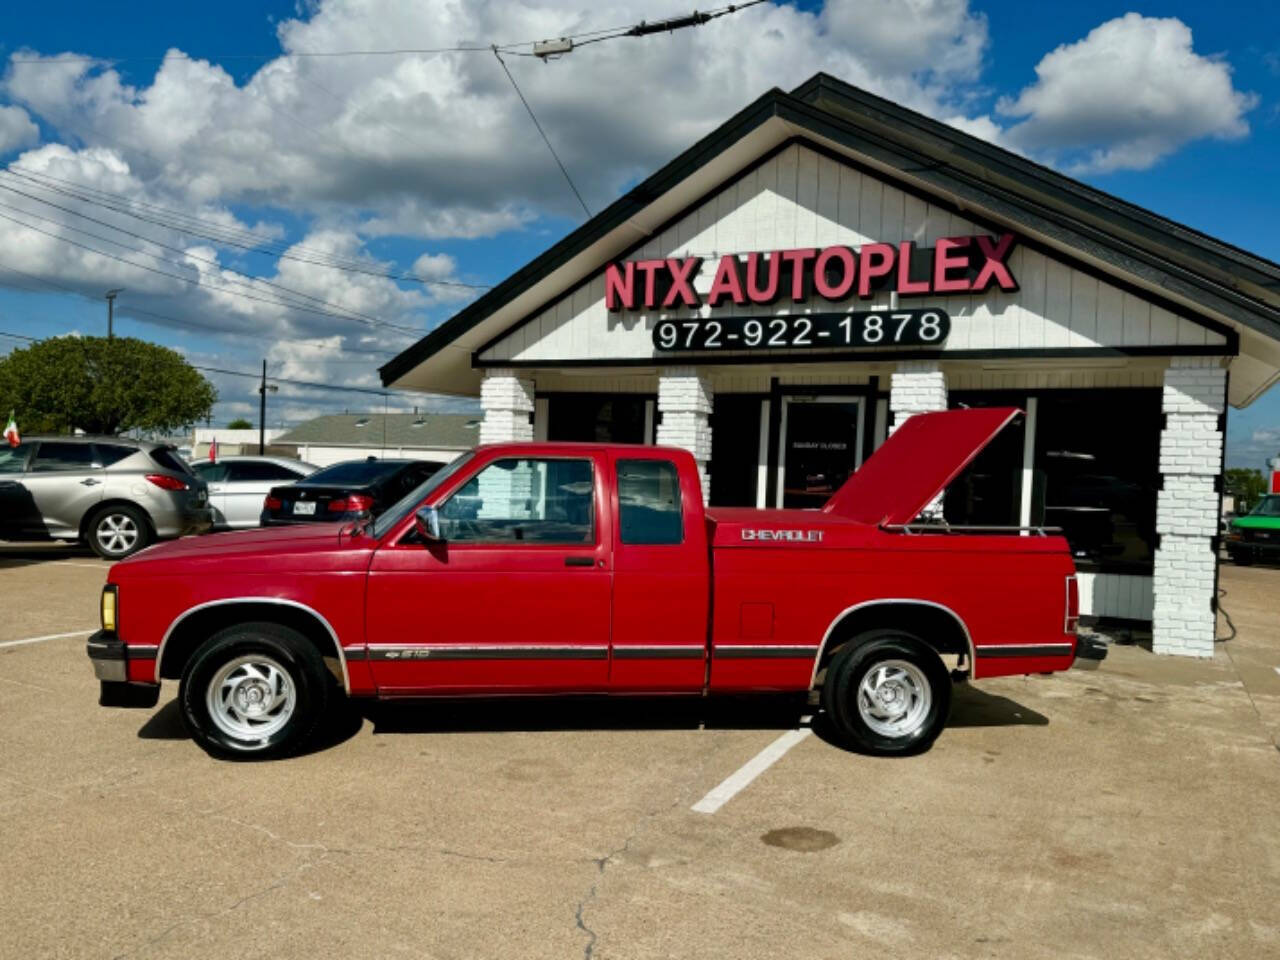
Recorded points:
(34,459)
(680,511)
(593,464)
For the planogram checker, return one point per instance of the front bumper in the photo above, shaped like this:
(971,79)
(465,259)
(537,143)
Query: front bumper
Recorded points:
(110,665)
(1090,651)
(106,651)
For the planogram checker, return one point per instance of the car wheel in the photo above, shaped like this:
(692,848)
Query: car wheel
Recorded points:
(1242,558)
(254,691)
(118,532)
(887,693)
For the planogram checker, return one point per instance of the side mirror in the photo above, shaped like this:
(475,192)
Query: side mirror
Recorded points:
(427,523)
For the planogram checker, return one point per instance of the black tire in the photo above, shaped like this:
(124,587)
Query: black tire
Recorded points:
(266,646)
(133,531)
(915,673)
(1242,558)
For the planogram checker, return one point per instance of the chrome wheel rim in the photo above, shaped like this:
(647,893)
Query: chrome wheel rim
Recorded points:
(251,698)
(894,698)
(117,532)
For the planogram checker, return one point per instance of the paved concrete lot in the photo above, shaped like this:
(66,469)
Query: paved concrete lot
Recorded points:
(1127,812)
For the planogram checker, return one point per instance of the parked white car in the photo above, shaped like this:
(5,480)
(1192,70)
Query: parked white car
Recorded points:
(238,485)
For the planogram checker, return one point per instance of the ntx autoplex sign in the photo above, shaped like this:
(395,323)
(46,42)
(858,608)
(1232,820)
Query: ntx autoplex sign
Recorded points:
(956,265)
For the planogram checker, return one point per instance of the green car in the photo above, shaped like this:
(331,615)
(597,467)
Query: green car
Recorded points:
(1256,535)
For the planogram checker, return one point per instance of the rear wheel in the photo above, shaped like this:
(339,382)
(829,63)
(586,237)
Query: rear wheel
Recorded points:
(254,691)
(887,693)
(118,531)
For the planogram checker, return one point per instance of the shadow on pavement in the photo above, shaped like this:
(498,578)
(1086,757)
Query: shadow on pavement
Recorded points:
(973,707)
(970,708)
(338,726)
(25,554)
(586,713)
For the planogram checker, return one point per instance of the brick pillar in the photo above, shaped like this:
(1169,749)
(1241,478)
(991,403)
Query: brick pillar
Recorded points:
(684,402)
(1184,621)
(917,386)
(507,401)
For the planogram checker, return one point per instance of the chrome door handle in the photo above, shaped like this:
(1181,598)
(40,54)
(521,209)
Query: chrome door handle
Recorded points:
(89,482)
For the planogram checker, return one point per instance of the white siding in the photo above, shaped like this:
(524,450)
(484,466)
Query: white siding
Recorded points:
(800,198)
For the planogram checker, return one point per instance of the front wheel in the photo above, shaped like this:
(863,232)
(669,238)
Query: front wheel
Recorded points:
(886,692)
(254,691)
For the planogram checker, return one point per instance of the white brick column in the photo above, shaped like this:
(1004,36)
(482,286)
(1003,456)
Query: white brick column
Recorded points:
(684,402)
(917,386)
(507,402)
(1184,621)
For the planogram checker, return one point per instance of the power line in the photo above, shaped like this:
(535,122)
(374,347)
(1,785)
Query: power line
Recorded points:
(308,384)
(216,233)
(130,309)
(179,250)
(188,280)
(568,179)
(643,28)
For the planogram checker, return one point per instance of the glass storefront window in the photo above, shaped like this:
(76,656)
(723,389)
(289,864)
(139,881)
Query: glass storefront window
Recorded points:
(1097,472)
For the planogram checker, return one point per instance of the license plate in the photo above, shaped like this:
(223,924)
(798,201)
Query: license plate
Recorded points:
(305,509)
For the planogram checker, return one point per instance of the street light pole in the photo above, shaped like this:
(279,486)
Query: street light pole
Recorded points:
(111,313)
(262,409)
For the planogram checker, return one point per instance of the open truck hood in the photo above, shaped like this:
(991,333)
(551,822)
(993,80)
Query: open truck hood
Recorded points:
(916,463)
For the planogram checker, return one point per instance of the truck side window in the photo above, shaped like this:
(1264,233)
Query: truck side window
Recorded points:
(526,501)
(649,502)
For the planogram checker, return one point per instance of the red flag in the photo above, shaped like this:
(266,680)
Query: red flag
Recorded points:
(213,450)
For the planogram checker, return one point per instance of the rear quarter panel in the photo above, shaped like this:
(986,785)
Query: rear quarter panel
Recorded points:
(1004,590)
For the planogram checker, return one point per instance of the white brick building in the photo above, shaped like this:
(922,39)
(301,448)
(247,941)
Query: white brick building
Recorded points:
(826,264)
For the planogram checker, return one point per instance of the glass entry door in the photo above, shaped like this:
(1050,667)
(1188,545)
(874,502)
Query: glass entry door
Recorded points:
(819,446)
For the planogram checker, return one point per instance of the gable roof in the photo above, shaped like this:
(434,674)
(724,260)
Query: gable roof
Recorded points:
(1169,258)
(433,431)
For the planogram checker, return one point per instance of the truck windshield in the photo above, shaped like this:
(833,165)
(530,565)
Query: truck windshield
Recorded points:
(1267,507)
(401,508)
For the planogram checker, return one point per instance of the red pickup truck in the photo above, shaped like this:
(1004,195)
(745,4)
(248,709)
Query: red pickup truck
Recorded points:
(541,568)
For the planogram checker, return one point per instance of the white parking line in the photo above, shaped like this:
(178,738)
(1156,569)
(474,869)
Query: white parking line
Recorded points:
(52,636)
(757,765)
(1276,669)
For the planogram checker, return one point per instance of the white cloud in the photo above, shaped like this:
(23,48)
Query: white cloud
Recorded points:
(1127,95)
(425,145)
(16,129)
(942,37)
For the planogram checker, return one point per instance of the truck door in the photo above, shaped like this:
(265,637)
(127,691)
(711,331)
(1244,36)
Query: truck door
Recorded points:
(661,575)
(514,597)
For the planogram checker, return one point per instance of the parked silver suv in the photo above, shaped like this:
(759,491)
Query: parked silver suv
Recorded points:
(114,494)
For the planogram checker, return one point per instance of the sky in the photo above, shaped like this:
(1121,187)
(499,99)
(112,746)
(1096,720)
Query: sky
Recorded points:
(321,212)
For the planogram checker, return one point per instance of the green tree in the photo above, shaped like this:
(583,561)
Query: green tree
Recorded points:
(239,423)
(102,386)
(1246,485)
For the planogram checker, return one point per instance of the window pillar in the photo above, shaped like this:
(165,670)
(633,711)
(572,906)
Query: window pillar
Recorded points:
(684,402)
(1185,618)
(507,402)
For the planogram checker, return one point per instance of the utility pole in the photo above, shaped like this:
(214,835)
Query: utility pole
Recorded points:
(262,409)
(111,313)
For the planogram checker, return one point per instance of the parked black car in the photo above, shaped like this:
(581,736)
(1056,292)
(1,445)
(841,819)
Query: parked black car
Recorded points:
(351,490)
